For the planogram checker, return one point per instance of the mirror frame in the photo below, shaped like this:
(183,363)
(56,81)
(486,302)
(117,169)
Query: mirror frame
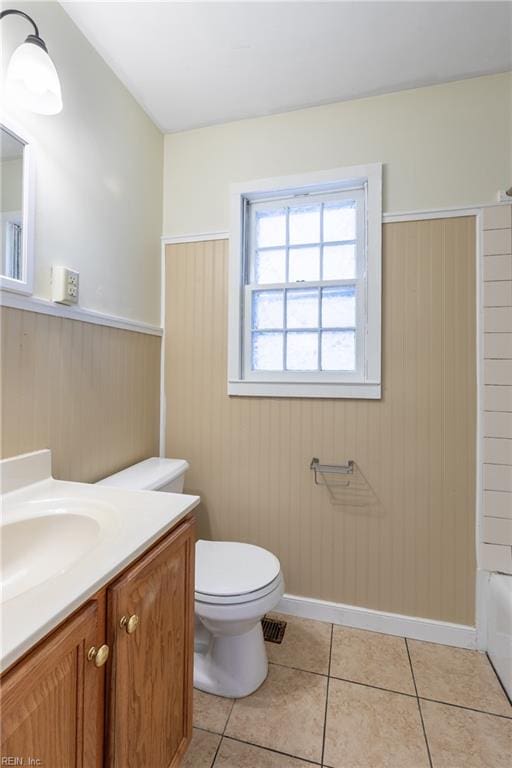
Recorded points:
(26,284)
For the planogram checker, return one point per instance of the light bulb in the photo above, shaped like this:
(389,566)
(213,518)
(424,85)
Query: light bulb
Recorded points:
(32,81)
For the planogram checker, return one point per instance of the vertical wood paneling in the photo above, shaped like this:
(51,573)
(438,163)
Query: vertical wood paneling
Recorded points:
(406,543)
(88,392)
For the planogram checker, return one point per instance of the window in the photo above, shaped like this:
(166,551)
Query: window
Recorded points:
(305,286)
(12,250)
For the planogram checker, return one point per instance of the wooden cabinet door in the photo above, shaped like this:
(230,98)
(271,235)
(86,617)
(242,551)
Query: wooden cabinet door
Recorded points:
(150,691)
(52,701)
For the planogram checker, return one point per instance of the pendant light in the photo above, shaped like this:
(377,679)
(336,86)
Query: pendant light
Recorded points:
(32,81)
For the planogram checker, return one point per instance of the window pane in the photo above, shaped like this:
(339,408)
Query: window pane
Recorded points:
(267,309)
(338,350)
(302,308)
(270,228)
(270,266)
(267,351)
(304,264)
(340,221)
(305,225)
(339,307)
(302,351)
(339,262)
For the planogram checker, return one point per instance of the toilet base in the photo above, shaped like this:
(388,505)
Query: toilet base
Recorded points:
(221,663)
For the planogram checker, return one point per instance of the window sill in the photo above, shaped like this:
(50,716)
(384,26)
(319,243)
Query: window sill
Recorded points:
(352,390)
(15,286)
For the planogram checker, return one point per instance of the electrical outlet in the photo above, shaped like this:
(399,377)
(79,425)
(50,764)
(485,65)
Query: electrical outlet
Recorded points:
(65,285)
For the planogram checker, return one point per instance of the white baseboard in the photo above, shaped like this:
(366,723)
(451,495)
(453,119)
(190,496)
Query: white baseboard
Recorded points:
(412,627)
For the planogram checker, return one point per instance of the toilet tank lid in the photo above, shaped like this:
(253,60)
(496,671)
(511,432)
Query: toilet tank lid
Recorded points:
(148,475)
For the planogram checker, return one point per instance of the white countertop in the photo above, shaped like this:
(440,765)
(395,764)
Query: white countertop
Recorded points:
(128,523)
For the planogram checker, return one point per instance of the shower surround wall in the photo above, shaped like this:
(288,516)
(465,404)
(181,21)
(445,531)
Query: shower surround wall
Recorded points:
(496,415)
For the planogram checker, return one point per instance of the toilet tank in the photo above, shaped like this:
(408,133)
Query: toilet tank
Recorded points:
(156,474)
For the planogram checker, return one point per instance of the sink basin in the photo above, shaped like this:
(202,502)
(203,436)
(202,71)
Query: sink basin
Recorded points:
(37,547)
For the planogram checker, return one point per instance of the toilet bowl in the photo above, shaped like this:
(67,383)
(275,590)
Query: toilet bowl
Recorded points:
(236,585)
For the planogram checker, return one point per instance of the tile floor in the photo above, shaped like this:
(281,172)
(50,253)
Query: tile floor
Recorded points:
(347,698)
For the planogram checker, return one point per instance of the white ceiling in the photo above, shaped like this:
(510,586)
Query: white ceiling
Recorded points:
(191,64)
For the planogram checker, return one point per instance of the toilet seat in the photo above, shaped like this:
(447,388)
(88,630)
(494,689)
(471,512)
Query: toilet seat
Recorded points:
(207,599)
(230,572)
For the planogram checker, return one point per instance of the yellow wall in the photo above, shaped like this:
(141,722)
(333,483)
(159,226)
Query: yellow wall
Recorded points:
(442,146)
(401,538)
(99,175)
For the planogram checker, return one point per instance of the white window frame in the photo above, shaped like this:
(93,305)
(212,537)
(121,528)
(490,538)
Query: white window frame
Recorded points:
(365,381)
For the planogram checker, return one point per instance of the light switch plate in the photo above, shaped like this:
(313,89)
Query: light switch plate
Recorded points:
(65,285)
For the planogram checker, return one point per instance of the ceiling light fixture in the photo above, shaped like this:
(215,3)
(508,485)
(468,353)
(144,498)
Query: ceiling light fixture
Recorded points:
(32,81)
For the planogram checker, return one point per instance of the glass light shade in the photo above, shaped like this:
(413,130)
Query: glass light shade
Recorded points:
(32,81)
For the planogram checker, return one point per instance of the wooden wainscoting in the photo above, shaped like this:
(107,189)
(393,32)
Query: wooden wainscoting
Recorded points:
(404,541)
(88,392)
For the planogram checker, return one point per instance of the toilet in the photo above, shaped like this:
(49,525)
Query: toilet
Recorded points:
(236,585)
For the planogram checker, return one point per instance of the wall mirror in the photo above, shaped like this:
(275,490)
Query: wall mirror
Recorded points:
(17,215)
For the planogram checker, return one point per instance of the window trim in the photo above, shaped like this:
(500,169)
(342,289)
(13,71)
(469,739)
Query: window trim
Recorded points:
(367,382)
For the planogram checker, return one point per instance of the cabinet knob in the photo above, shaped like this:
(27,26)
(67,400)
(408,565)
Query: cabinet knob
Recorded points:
(129,623)
(98,655)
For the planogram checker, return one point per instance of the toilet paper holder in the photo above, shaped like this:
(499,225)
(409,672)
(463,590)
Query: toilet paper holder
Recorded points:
(331,469)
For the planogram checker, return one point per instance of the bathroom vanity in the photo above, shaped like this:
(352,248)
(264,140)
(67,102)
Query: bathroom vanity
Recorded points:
(111,683)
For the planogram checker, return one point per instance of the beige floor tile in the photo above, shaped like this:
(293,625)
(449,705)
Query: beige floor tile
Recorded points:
(234,754)
(457,676)
(368,728)
(306,644)
(459,738)
(202,749)
(286,713)
(211,712)
(372,658)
